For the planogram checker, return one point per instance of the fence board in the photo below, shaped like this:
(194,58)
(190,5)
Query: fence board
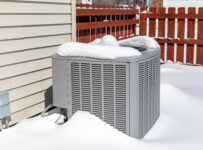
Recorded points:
(181,31)
(94,25)
(152,23)
(200,37)
(172,16)
(190,34)
(161,29)
(143,22)
(105,12)
(171,33)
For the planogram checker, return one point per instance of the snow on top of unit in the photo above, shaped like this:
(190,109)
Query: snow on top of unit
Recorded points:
(105,48)
(142,42)
(106,40)
(109,40)
(96,41)
(96,51)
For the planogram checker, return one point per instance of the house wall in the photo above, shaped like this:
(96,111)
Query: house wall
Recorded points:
(30,32)
(182,3)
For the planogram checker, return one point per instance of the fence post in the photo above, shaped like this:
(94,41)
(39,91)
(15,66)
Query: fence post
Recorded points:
(162,30)
(180,34)
(200,37)
(142,27)
(190,34)
(152,23)
(171,33)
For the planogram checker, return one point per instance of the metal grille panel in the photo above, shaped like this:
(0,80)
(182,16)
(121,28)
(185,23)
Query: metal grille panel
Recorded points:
(108,78)
(149,80)
(120,81)
(101,90)
(97,90)
(75,75)
(85,86)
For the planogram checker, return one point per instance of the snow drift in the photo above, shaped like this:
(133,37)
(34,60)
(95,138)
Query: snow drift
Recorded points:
(178,128)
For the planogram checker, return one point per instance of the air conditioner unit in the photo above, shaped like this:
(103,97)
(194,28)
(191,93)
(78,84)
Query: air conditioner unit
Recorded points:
(123,92)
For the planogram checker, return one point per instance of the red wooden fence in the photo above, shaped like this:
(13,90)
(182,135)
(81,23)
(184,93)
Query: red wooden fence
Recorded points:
(180,33)
(96,21)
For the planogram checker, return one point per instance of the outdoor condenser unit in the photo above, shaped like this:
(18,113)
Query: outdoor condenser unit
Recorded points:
(123,92)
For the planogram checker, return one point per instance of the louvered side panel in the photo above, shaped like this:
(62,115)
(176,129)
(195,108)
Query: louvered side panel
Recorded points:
(102,90)
(75,76)
(120,97)
(145,97)
(158,86)
(141,91)
(150,73)
(85,86)
(148,96)
(154,82)
(108,90)
(149,80)
(97,90)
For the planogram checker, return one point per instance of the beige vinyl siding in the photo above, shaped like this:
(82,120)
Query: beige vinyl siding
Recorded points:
(30,32)
(27,112)
(24,91)
(32,43)
(34,31)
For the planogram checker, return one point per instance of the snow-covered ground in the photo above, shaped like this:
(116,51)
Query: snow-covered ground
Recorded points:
(180,126)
